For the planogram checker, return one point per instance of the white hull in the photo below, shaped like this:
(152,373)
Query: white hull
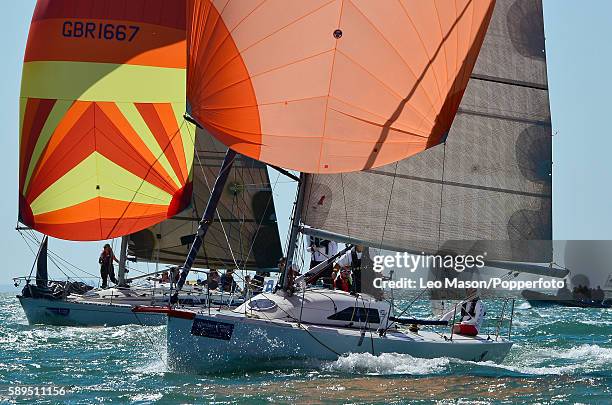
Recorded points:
(113,307)
(230,340)
(83,313)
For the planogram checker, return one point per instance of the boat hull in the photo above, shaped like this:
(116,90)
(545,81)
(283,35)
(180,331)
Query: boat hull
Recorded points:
(538,299)
(228,341)
(70,313)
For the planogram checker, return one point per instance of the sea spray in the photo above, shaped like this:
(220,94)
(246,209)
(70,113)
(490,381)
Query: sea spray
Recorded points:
(387,364)
(559,353)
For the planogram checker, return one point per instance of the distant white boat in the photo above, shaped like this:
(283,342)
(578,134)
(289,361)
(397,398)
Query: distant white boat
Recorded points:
(83,313)
(113,306)
(76,304)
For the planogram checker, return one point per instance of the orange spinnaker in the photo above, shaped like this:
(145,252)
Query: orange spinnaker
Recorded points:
(104,150)
(328,86)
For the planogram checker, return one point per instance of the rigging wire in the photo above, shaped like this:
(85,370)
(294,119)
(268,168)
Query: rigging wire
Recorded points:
(221,222)
(54,258)
(218,213)
(441,195)
(261,222)
(64,261)
(144,179)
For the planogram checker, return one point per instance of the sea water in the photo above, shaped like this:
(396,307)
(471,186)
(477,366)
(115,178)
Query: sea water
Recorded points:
(561,355)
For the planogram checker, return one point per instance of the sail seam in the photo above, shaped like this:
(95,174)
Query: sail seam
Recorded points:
(512,82)
(465,185)
(504,117)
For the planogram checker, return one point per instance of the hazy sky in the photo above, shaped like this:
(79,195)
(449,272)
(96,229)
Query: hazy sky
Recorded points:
(579,60)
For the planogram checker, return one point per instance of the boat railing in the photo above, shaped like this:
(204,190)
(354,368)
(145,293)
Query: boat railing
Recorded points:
(156,291)
(507,305)
(32,279)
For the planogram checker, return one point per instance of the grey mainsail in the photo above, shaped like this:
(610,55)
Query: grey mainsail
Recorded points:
(246,209)
(488,187)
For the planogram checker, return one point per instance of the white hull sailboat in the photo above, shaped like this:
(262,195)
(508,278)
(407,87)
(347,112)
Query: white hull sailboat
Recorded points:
(267,329)
(391,156)
(84,313)
(113,156)
(481,184)
(114,306)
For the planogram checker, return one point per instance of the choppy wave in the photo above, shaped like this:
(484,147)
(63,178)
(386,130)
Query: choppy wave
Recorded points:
(572,328)
(570,350)
(575,360)
(387,364)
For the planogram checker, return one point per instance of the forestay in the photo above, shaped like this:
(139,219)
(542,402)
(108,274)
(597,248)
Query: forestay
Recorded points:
(246,215)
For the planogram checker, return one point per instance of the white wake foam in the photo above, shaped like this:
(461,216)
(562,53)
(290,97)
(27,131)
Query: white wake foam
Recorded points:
(580,358)
(386,364)
(524,305)
(534,370)
(591,354)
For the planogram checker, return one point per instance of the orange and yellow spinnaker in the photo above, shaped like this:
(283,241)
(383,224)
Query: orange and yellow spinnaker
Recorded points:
(104,150)
(328,86)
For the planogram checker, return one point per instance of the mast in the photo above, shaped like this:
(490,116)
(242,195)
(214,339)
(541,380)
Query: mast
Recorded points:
(122,259)
(207,219)
(250,219)
(295,228)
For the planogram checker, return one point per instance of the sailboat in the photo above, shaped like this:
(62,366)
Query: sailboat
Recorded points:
(105,152)
(587,285)
(421,128)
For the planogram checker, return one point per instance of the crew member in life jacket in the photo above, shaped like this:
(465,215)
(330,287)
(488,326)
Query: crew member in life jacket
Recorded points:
(321,250)
(351,260)
(227,281)
(472,314)
(107,270)
(342,280)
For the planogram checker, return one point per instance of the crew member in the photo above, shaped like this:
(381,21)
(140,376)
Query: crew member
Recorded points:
(248,286)
(107,270)
(175,274)
(472,314)
(598,295)
(212,279)
(351,260)
(257,282)
(227,281)
(342,280)
(322,250)
(291,274)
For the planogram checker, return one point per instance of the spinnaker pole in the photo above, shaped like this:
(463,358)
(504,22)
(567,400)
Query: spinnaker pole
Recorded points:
(207,219)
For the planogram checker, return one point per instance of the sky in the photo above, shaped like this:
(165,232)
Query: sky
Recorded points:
(579,59)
